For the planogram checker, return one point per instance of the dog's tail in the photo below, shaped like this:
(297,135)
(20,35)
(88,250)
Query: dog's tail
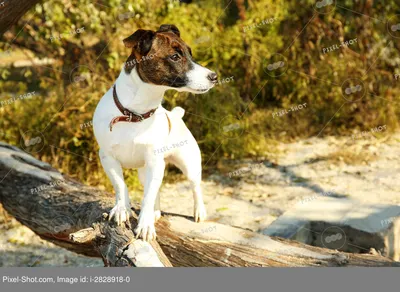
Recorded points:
(178,112)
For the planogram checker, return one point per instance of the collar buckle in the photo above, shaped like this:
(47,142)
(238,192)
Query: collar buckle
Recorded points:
(140,117)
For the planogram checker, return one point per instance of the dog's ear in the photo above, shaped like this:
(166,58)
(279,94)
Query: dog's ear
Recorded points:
(169,27)
(140,41)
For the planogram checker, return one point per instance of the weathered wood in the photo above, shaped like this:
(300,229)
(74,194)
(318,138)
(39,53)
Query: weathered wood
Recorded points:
(55,206)
(11,11)
(73,216)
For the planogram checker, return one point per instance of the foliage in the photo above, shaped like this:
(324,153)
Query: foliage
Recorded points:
(238,47)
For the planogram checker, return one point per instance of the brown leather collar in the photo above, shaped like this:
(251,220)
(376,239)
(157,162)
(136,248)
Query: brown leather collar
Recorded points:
(128,116)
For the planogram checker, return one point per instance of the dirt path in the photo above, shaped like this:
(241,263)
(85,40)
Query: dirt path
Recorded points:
(253,194)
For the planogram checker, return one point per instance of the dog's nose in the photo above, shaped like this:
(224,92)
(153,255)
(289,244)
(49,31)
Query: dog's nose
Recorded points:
(213,77)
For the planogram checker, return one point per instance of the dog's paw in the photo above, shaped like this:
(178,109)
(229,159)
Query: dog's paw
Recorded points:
(121,213)
(145,228)
(200,213)
(157,215)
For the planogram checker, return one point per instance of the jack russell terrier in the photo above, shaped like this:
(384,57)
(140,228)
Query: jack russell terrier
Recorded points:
(133,130)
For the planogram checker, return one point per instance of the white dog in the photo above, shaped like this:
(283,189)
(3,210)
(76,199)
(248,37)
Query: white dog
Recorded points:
(135,131)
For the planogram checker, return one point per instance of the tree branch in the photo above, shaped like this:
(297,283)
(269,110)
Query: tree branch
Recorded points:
(74,216)
(11,11)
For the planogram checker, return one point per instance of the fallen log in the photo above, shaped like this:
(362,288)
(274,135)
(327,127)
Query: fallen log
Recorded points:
(74,216)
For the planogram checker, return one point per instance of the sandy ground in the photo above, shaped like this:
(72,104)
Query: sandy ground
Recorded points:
(252,194)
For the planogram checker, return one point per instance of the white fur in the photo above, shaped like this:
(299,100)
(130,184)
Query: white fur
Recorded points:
(198,81)
(148,146)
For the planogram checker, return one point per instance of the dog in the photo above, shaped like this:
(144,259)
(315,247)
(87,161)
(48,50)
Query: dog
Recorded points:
(133,130)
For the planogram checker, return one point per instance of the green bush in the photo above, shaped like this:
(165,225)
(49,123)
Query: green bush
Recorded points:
(238,46)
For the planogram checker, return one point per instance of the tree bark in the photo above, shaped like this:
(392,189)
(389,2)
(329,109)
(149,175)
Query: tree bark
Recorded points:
(12,10)
(74,216)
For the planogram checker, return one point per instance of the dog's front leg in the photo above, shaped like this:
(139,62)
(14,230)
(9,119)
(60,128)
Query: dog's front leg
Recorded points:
(154,170)
(122,209)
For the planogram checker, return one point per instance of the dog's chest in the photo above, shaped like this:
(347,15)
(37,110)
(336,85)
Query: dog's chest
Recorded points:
(129,154)
(132,146)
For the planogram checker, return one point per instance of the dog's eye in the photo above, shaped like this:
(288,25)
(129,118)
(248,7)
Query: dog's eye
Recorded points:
(175,57)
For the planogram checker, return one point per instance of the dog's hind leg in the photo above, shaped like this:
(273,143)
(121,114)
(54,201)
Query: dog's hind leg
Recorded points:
(142,179)
(122,209)
(188,160)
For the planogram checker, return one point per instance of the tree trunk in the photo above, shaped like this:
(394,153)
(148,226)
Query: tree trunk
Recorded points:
(73,216)
(12,10)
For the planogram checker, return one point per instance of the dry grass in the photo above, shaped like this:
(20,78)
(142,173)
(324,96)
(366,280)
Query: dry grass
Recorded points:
(351,156)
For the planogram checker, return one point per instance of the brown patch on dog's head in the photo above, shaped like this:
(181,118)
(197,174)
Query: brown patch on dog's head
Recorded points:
(160,57)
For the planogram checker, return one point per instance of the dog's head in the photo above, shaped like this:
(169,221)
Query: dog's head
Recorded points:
(162,58)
